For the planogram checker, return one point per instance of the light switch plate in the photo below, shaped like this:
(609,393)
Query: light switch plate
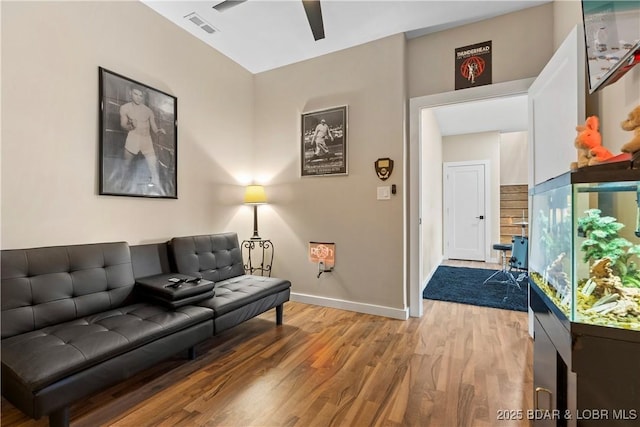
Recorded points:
(384,193)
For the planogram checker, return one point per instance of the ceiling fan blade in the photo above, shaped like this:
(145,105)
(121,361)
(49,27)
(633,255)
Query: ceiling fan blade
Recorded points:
(314,14)
(227,4)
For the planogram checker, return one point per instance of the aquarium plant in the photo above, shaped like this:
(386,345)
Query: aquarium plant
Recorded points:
(602,240)
(552,238)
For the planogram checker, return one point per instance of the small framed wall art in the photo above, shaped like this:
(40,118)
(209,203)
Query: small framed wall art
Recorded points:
(138,139)
(473,65)
(323,143)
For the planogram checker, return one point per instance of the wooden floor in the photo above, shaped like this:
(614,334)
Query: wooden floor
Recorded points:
(458,365)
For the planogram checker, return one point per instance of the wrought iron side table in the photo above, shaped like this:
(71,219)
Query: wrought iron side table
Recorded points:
(259,257)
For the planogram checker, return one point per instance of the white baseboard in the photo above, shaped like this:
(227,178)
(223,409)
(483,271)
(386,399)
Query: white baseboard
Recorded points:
(358,307)
(492,260)
(430,275)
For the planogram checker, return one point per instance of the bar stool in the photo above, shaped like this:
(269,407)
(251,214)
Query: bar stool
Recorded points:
(519,260)
(506,271)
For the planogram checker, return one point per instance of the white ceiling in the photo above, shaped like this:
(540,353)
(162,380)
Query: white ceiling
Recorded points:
(264,34)
(506,114)
(261,35)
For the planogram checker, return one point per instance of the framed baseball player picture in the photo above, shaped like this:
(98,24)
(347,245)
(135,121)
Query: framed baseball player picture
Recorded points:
(138,139)
(323,144)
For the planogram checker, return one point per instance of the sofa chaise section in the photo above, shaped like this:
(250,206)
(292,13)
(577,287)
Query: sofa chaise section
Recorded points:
(238,296)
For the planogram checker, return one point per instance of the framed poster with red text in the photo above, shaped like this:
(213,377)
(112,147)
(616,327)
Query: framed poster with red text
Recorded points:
(473,65)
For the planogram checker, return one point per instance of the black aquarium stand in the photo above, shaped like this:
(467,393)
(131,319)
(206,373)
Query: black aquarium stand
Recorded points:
(584,375)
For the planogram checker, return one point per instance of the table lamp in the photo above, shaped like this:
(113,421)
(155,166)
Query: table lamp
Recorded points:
(254,195)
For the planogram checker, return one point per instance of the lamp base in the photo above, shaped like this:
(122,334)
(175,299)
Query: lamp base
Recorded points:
(255,224)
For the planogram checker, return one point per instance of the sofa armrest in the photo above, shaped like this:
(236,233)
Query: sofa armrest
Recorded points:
(175,290)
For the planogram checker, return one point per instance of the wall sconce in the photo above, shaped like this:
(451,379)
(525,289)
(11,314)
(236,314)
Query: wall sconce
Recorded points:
(255,195)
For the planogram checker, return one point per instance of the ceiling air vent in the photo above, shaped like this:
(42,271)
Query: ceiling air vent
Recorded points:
(196,20)
(201,23)
(208,29)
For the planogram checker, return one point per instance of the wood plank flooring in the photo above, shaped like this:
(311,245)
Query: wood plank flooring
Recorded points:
(458,365)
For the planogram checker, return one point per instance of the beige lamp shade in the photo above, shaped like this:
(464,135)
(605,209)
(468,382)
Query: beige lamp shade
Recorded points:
(254,195)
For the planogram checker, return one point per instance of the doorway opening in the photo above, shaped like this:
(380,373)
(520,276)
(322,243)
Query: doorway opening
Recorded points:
(428,130)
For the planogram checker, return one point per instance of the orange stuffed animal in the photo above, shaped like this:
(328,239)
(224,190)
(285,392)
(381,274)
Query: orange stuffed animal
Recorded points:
(589,144)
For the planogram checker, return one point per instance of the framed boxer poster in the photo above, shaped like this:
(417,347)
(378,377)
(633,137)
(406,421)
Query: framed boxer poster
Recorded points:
(138,139)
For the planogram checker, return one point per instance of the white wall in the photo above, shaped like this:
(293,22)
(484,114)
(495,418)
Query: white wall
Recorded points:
(369,79)
(522,44)
(431,195)
(514,158)
(566,15)
(51,52)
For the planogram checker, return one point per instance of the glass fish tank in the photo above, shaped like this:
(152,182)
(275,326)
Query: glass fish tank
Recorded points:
(585,246)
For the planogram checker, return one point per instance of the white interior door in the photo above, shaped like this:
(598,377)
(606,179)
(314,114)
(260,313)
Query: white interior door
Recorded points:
(464,214)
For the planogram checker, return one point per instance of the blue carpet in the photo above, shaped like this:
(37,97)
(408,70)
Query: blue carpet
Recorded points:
(464,285)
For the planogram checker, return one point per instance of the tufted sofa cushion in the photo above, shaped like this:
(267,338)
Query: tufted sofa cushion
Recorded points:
(39,358)
(218,257)
(50,285)
(240,291)
(214,257)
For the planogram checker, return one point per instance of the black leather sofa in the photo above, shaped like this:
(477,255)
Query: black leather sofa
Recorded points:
(73,321)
